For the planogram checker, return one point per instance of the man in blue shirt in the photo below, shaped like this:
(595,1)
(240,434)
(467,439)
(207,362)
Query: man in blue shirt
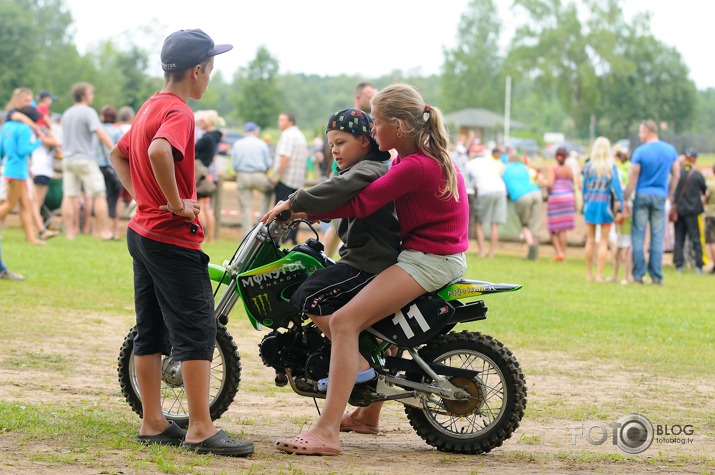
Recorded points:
(251,159)
(652,162)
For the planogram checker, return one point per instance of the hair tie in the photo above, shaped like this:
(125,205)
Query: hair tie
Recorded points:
(425,116)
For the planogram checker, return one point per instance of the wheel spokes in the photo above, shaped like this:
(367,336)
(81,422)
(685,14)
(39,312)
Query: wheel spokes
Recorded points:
(491,384)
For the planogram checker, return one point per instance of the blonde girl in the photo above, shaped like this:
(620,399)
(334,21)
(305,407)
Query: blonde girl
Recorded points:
(602,199)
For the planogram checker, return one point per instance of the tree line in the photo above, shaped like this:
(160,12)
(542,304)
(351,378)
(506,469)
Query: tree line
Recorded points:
(577,67)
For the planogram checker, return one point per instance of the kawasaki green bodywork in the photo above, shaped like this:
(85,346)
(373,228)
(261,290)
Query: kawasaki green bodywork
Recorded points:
(266,289)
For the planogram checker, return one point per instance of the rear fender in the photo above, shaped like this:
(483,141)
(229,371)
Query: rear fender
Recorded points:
(474,288)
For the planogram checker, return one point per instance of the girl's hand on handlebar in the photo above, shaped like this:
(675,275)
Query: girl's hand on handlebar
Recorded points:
(277,209)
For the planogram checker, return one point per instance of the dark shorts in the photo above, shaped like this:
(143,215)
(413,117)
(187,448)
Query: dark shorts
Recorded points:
(173,300)
(41,180)
(328,289)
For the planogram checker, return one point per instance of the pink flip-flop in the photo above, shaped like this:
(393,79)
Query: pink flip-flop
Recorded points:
(306,443)
(348,424)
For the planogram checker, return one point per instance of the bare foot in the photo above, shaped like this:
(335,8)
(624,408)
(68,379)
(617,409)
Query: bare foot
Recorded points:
(599,279)
(49,233)
(589,278)
(37,242)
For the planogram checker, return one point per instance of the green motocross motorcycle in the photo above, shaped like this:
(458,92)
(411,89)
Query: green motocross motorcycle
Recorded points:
(463,392)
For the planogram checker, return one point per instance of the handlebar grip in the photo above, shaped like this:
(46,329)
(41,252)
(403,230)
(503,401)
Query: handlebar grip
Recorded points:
(284,215)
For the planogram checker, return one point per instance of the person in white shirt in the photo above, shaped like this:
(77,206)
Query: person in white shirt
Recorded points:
(490,207)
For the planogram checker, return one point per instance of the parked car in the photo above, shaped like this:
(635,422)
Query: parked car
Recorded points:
(550,151)
(529,147)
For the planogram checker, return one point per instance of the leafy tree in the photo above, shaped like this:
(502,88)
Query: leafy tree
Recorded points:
(471,74)
(259,100)
(134,83)
(17,32)
(538,111)
(54,44)
(657,88)
(705,111)
(564,54)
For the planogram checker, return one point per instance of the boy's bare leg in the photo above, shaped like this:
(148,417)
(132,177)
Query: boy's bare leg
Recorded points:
(148,368)
(197,374)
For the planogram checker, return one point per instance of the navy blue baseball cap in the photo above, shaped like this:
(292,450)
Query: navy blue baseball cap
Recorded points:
(185,49)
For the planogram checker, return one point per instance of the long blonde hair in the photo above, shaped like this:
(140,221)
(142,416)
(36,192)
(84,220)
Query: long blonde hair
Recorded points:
(17,94)
(422,122)
(601,160)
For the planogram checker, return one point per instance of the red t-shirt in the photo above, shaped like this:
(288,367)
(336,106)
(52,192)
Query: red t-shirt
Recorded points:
(164,115)
(44,111)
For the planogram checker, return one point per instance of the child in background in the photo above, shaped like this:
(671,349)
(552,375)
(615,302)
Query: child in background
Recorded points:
(602,199)
(622,252)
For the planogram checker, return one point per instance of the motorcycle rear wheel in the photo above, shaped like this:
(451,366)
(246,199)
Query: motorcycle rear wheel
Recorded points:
(225,378)
(498,394)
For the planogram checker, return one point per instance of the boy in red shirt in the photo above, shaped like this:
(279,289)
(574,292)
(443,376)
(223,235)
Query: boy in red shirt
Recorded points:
(172,290)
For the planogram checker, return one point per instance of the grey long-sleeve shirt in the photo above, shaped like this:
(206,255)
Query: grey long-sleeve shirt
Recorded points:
(370,244)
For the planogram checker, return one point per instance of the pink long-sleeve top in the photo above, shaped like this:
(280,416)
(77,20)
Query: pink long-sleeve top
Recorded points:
(429,222)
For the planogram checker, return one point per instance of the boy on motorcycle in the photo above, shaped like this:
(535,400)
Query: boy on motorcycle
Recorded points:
(370,244)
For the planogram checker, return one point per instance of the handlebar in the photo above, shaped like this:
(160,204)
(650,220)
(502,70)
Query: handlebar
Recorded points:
(281,226)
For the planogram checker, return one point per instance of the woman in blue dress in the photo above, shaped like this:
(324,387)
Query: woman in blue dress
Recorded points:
(602,199)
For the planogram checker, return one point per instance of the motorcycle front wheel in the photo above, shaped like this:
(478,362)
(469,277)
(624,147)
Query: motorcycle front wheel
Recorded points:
(225,377)
(497,402)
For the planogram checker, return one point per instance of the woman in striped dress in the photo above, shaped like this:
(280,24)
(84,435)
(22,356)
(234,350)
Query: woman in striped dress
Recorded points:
(561,203)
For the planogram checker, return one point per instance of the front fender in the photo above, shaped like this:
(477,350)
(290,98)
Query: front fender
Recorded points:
(219,273)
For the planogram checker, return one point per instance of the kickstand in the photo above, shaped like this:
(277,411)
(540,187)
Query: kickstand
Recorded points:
(316,406)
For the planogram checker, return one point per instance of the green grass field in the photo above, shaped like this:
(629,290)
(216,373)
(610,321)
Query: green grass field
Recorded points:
(665,332)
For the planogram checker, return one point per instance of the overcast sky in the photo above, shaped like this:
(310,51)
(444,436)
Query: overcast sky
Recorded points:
(368,38)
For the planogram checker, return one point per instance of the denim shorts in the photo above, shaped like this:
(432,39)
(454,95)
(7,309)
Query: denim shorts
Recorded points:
(432,271)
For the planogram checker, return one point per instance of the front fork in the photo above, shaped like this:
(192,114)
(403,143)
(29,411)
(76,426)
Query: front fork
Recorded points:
(226,302)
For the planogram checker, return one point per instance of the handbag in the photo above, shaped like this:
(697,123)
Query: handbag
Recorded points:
(204,186)
(673,214)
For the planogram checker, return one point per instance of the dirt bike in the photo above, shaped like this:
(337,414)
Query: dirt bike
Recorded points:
(463,392)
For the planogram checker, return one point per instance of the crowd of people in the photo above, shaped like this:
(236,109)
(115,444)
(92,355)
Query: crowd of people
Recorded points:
(654,199)
(556,195)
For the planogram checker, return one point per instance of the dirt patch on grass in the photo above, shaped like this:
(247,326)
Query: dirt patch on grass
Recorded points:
(562,392)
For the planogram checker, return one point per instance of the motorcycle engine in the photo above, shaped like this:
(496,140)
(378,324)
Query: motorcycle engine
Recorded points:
(293,349)
(318,363)
(274,349)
